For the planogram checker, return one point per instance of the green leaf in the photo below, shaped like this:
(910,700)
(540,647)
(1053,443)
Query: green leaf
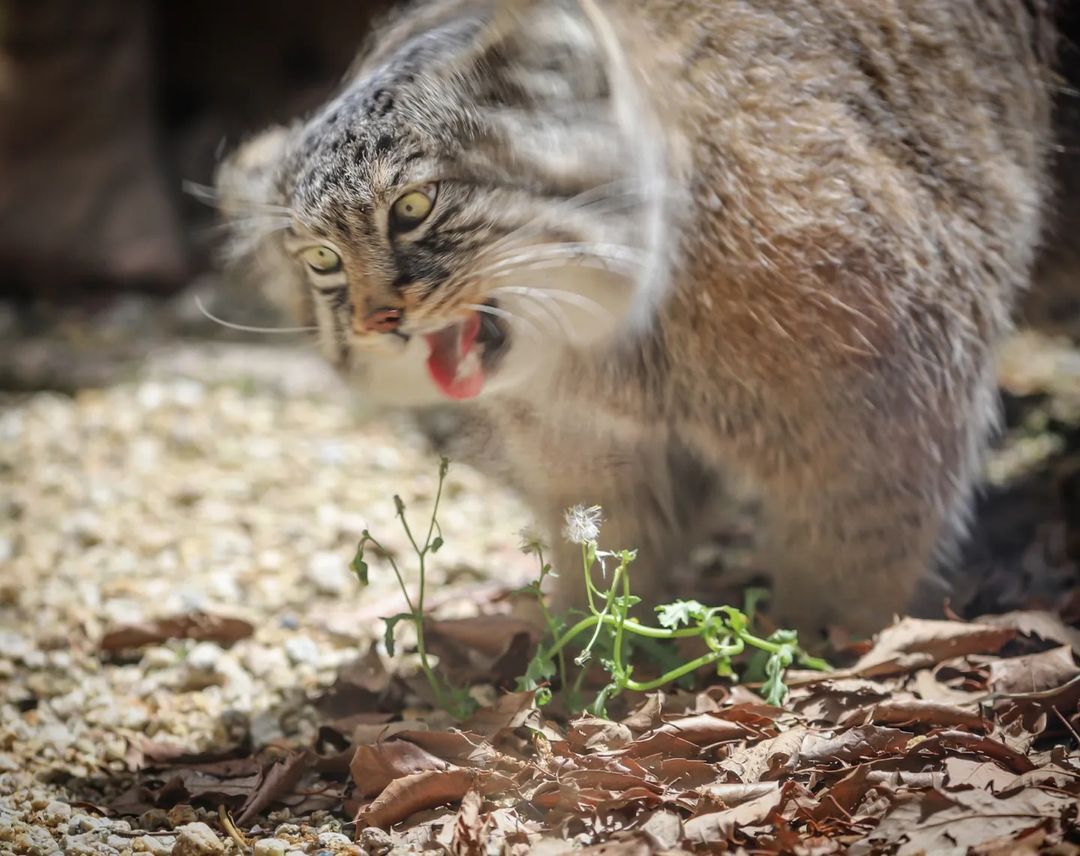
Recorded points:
(671,615)
(391,623)
(752,597)
(774,688)
(358,565)
(436,543)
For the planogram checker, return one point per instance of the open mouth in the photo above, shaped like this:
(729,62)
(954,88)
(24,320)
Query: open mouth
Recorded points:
(462,355)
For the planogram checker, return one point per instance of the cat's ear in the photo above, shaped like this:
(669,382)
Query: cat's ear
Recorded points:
(249,199)
(537,50)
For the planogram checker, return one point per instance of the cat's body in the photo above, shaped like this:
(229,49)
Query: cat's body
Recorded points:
(832,206)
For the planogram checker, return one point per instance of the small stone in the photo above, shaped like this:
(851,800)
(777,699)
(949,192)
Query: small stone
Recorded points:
(56,813)
(328,574)
(270,847)
(156,845)
(302,649)
(376,842)
(197,839)
(180,814)
(333,840)
(154,819)
(83,823)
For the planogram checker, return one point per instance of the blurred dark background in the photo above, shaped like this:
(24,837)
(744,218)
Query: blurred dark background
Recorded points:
(107,106)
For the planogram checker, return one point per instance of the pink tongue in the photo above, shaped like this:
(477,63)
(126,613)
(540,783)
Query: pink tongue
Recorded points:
(448,351)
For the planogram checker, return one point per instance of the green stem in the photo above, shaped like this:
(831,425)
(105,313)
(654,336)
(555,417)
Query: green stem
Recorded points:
(675,674)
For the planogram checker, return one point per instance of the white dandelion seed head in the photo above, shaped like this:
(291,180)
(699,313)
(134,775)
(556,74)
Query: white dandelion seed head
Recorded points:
(582,524)
(530,541)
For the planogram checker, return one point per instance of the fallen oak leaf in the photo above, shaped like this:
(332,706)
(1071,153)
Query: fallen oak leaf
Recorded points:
(428,789)
(376,765)
(470,827)
(490,635)
(1048,670)
(914,642)
(512,710)
(703,729)
(720,827)
(276,781)
(767,758)
(1044,625)
(940,823)
(852,744)
(915,711)
(951,741)
(197,626)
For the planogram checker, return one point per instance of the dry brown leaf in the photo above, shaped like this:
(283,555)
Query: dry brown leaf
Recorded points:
(719,827)
(511,711)
(944,742)
(940,823)
(915,642)
(277,781)
(1044,625)
(198,626)
(591,733)
(703,729)
(765,759)
(682,773)
(427,789)
(470,827)
(1033,673)
(915,711)
(968,773)
(376,765)
(661,741)
(489,635)
(852,744)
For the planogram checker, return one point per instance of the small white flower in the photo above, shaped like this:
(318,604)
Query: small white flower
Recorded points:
(531,542)
(582,524)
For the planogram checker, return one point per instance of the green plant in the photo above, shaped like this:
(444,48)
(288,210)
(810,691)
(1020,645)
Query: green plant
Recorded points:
(723,630)
(612,635)
(454,700)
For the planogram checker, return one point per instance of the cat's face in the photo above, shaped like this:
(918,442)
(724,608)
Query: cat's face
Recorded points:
(472,201)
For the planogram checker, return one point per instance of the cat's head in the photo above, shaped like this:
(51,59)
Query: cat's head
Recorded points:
(486,190)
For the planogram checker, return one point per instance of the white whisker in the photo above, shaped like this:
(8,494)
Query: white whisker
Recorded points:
(505,315)
(243,328)
(571,298)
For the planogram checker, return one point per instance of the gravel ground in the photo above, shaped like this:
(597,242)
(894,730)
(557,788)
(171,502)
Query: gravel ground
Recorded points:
(223,477)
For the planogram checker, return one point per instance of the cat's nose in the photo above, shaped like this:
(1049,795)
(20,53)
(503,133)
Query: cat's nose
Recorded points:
(384,320)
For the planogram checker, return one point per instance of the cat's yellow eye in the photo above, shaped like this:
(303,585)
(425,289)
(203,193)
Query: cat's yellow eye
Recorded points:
(321,259)
(412,208)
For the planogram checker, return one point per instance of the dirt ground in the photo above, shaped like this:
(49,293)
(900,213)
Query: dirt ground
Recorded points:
(179,625)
